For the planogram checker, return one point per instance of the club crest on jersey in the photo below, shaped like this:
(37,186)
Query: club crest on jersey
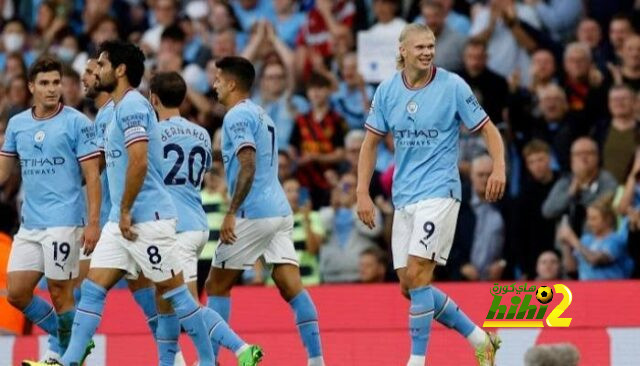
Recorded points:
(39,137)
(412,107)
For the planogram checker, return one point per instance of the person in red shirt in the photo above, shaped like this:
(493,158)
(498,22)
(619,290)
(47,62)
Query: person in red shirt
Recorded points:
(318,140)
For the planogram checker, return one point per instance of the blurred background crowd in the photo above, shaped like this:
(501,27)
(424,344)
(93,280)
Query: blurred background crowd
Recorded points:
(559,77)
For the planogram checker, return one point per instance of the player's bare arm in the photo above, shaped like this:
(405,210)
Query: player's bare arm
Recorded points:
(247,160)
(366,165)
(6,167)
(91,173)
(136,171)
(497,181)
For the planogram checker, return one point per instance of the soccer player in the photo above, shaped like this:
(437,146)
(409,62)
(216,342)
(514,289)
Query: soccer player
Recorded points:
(259,222)
(187,156)
(141,288)
(56,149)
(423,107)
(140,234)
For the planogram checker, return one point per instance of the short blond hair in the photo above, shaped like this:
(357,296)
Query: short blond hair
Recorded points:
(406,31)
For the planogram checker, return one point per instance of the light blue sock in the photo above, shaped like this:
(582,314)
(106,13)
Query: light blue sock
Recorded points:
(222,306)
(76,295)
(307,323)
(448,313)
(88,316)
(145,297)
(42,314)
(191,318)
(167,335)
(65,322)
(219,331)
(420,316)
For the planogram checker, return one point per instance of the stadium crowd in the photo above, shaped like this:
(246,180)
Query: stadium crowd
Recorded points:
(559,77)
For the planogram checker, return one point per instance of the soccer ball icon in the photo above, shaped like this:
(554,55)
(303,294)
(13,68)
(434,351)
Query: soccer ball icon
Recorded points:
(544,294)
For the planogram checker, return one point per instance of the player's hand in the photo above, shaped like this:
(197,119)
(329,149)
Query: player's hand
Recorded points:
(228,229)
(90,238)
(126,228)
(496,184)
(366,210)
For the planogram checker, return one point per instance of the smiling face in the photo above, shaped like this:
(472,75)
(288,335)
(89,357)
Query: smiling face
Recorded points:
(46,89)
(418,50)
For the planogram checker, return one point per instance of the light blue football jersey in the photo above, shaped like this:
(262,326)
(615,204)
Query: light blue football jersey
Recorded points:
(247,124)
(425,124)
(103,118)
(187,156)
(50,151)
(134,121)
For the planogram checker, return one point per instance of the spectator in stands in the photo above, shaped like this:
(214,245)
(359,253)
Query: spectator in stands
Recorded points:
(50,20)
(318,140)
(15,39)
(489,87)
(559,17)
(629,72)
(629,206)
(455,20)
(387,21)
(104,29)
(327,21)
(557,126)
(533,233)
(248,12)
(484,256)
(67,49)
(223,43)
(12,320)
(373,265)
(574,192)
(583,82)
(600,254)
(18,96)
(543,69)
(14,66)
(590,33)
(308,231)
(276,96)
(348,237)
(285,166)
(353,97)
(620,28)
(619,136)
(71,88)
(450,43)
(508,44)
(164,14)
(194,49)
(288,21)
(561,354)
(548,266)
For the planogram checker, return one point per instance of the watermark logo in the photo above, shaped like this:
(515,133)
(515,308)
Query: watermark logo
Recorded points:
(520,312)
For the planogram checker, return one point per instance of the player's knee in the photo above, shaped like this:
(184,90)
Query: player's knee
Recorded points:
(217,288)
(404,289)
(19,299)
(417,276)
(60,294)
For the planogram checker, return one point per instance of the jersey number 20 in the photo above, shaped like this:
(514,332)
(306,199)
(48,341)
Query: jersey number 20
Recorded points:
(195,180)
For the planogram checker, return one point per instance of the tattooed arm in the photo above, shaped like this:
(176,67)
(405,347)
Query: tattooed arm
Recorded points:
(247,159)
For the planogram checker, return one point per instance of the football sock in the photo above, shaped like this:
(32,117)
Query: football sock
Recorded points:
(191,318)
(307,323)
